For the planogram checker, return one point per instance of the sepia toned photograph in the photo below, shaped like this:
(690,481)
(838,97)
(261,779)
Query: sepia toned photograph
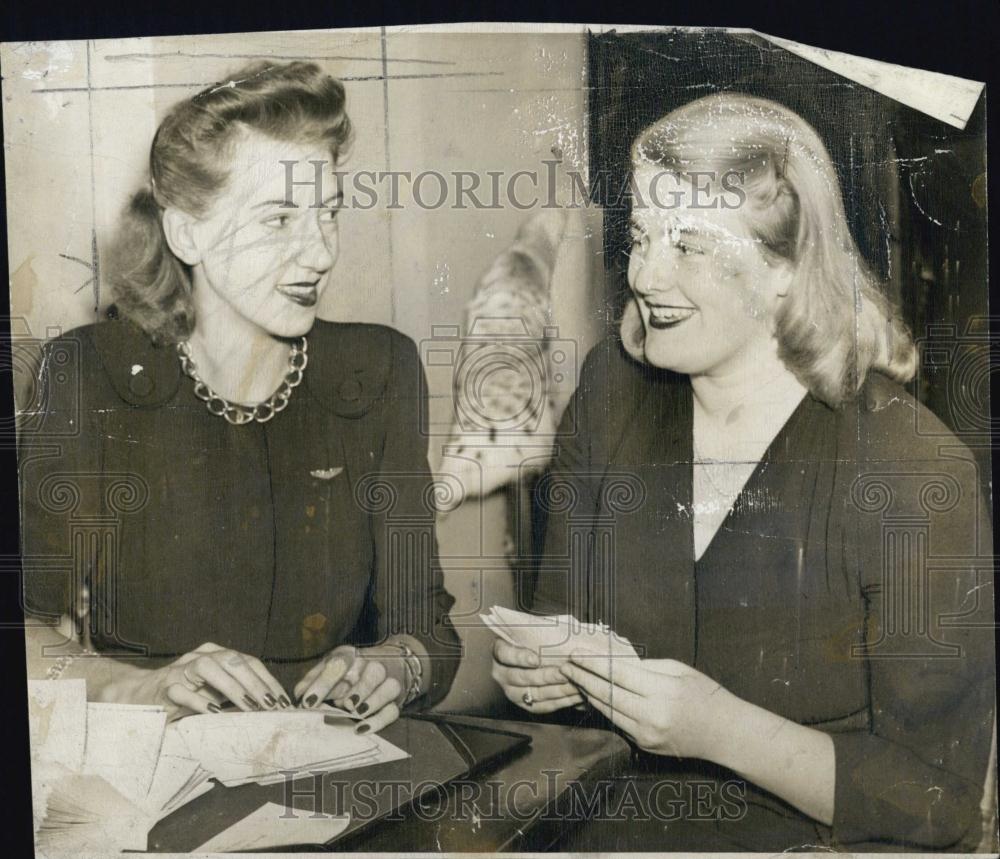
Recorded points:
(500,438)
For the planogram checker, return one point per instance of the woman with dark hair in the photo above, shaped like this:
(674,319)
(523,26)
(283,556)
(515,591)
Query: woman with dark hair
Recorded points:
(747,500)
(259,468)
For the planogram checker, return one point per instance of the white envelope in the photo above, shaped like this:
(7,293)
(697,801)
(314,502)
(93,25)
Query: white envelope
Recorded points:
(238,747)
(271,826)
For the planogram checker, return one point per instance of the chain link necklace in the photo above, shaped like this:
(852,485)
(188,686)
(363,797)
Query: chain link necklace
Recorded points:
(237,413)
(734,474)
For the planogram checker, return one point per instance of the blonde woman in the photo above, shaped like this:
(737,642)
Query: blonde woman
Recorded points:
(747,500)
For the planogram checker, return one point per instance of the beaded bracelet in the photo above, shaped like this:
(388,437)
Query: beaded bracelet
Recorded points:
(414,672)
(63,662)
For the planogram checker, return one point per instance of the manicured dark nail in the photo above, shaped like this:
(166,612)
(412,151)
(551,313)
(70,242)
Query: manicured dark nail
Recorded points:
(284,702)
(354,700)
(214,708)
(362,709)
(310,701)
(270,700)
(253,705)
(363,728)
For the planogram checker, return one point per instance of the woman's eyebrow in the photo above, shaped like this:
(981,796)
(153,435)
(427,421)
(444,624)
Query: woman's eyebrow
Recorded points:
(677,232)
(283,203)
(336,198)
(699,232)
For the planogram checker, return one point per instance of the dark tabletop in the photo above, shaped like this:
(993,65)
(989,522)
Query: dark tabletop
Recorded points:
(516,803)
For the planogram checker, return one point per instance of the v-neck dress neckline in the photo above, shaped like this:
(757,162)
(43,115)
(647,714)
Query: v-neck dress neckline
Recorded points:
(781,440)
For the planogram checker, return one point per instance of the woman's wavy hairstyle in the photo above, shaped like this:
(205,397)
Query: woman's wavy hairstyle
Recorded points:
(189,165)
(835,324)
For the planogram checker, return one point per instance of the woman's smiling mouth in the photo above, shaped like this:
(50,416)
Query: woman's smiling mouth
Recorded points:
(668,316)
(305,293)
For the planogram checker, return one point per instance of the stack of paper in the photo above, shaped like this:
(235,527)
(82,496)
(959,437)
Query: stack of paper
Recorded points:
(84,812)
(554,638)
(94,769)
(57,721)
(270,746)
(104,774)
(178,779)
(123,746)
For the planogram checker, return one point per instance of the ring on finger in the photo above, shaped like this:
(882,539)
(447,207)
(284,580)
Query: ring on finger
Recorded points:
(193,683)
(527,699)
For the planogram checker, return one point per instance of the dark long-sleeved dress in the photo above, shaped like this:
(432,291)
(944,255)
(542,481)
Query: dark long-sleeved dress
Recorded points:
(281,539)
(850,589)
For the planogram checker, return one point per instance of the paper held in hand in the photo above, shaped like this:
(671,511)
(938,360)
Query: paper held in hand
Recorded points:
(555,637)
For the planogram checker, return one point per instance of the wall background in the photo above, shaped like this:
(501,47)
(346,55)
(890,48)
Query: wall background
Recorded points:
(78,121)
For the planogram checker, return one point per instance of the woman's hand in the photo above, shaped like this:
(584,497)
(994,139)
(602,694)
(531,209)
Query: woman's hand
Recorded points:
(532,687)
(201,681)
(665,706)
(669,708)
(370,681)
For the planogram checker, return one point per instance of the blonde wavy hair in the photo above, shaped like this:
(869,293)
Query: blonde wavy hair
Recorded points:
(836,324)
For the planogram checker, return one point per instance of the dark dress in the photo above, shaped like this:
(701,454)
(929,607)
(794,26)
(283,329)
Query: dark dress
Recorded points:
(281,539)
(850,589)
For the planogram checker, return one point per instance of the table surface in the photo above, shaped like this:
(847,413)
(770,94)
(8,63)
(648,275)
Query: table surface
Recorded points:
(510,807)
(513,805)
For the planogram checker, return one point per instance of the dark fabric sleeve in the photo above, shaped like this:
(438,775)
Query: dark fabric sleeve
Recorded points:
(409,592)
(55,451)
(915,778)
